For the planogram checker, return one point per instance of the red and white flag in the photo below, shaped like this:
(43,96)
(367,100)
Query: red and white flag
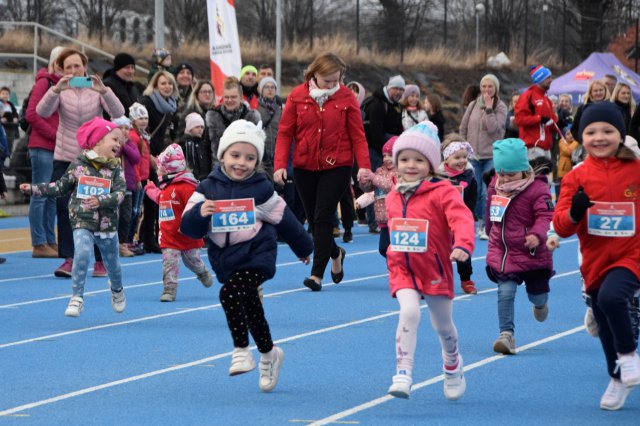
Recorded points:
(224,44)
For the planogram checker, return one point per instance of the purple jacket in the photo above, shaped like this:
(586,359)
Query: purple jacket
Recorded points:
(131,156)
(529,212)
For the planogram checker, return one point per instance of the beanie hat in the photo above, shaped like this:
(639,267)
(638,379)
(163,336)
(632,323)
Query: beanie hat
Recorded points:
(264,81)
(183,66)
(603,111)
(159,54)
(396,81)
(361,92)
(456,146)
(242,131)
(423,137)
(247,68)
(539,73)
(55,52)
(493,79)
(137,110)
(510,156)
(410,89)
(171,160)
(387,148)
(122,121)
(91,132)
(193,120)
(121,60)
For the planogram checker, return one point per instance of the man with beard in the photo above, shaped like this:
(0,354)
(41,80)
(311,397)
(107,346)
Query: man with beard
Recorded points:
(249,82)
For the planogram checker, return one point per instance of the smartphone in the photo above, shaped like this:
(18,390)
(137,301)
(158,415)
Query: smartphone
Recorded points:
(80,82)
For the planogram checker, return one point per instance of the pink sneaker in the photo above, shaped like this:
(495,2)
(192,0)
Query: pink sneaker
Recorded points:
(64,270)
(99,270)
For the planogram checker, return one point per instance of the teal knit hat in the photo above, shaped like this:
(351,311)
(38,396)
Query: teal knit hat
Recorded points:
(510,156)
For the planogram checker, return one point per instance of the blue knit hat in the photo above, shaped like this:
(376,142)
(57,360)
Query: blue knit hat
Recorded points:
(539,73)
(510,156)
(607,112)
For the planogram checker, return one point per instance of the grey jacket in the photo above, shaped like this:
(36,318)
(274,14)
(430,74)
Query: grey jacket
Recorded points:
(218,119)
(270,115)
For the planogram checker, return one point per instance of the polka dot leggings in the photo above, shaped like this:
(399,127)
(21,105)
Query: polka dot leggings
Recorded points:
(242,306)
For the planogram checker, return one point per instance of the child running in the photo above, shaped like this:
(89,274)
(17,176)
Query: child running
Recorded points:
(97,186)
(456,153)
(600,201)
(138,135)
(425,214)
(242,251)
(520,211)
(376,186)
(176,187)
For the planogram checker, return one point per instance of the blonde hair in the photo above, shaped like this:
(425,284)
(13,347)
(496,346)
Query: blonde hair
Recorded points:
(587,95)
(193,103)
(327,63)
(616,93)
(153,83)
(405,103)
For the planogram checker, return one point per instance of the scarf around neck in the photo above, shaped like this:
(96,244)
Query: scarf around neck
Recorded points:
(513,188)
(100,162)
(408,188)
(163,105)
(321,95)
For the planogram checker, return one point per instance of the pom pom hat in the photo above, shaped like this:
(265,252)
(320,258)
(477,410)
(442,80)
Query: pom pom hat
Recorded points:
(242,131)
(510,156)
(92,132)
(423,138)
(171,160)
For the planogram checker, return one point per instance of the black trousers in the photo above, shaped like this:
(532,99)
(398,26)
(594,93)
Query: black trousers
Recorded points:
(149,227)
(124,219)
(242,307)
(610,305)
(320,192)
(465,269)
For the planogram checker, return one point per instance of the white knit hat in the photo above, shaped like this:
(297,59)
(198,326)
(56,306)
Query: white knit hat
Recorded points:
(122,121)
(192,120)
(396,81)
(243,131)
(137,110)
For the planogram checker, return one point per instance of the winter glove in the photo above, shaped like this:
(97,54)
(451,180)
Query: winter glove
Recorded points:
(545,120)
(580,203)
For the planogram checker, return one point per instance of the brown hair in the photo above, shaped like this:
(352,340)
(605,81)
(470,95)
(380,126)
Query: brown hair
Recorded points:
(470,94)
(327,63)
(434,101)
(70,52)
(193,102)
(625,153)
(405,103)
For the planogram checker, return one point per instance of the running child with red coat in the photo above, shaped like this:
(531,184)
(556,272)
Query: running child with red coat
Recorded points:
(176,187)
(425,215)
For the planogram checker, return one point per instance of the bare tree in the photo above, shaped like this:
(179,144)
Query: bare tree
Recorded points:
(188,20)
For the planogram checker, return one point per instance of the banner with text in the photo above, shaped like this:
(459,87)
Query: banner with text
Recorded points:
(224,44)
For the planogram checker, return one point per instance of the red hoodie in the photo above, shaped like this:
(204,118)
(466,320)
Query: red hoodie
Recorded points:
(531,107)
(43,130)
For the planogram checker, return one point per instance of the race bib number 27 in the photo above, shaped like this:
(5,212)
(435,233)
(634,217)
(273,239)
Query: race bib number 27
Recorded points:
(612,219)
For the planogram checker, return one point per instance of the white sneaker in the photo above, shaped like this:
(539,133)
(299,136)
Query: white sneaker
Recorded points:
(590,323)
(76,303)
(118,301)
(241,361)
(541,314)
(269,370)
(454,382)
(615,395)
(401,386)
(483,235)
(206,279)
(629,366)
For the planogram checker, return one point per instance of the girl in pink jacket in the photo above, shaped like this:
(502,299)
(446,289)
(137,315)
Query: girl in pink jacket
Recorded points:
(425,215)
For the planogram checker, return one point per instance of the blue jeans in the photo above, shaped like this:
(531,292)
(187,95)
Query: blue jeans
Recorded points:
(42,211)
(506,299)
(479,168)
(376,161)
(83,241)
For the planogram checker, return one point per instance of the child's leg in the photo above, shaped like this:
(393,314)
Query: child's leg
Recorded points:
(538,300)
(109,250)
(170,269)
(384,241)
(83,245)
(124,222)
(193,261)
(441,312)
(506,299)
(407,331)
(258,325)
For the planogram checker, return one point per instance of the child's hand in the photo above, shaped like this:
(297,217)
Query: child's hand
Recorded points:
(553,243)
(150,185)
(356,205)
(459,255)
(207,208)
(531,241)
(305,260)
(25,188)
(91,203)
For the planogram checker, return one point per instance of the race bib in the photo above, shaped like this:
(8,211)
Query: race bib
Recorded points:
(612,219)
(90,186)
(166,212)
(233,215)
(408,235)
(498,207)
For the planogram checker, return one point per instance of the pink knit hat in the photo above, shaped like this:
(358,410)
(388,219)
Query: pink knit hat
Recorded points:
(423,138)
(91,132)
(192,120)
(171,160)
(387,148)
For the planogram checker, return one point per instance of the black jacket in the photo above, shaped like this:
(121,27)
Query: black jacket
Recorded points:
(382,119)
(126,91)
(159,125)
(197,153)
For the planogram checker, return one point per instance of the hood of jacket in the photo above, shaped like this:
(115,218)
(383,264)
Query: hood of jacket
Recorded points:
(45,74)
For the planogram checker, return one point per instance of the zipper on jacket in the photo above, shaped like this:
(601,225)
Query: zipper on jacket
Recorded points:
(504,243)
(406,255)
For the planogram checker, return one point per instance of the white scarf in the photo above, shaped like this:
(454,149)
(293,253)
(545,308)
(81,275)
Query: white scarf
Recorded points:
(321,95)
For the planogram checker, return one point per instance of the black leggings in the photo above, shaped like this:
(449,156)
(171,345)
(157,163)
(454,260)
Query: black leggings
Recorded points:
(243,309)
(320,192)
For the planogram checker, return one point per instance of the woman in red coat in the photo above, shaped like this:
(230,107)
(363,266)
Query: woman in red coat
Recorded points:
(323,122)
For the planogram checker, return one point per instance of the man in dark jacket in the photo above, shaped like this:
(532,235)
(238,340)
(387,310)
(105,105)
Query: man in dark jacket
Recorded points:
(382,120)
(120,80)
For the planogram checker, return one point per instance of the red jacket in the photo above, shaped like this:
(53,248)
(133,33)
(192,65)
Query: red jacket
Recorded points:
(449,220)
(43,130)
(176,194)
(144,166)
(603,180)
(531,107)
(325,138)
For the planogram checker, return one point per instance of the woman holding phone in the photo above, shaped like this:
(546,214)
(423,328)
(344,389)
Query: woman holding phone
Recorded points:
(75,106)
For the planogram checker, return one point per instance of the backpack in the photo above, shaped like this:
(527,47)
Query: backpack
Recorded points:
(22,118)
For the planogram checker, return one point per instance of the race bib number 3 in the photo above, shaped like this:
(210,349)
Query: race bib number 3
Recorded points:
(408,235)
(498,207)
(90,186)
(233,215)
(166,212)
(612,219)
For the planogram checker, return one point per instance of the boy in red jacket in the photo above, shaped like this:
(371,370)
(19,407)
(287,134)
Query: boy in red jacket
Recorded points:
(176,187)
